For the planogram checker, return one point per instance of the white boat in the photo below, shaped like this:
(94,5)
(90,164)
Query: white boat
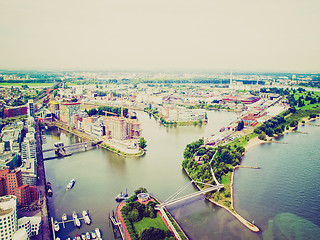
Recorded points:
(86,217)
(93,234)
(56,226)
(97,230)
(77,222)
(68,238)
(64,217)
(83,236)
(57,238)
(71,184)
(88,236)
(74,215)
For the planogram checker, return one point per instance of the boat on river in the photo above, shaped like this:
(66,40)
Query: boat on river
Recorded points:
(74,215)
(56,226)
(64,217)
(93,234)
(71,184)
(77,222)
(83,236)
(88,236)
(98,233)
(86,217)
(121,196)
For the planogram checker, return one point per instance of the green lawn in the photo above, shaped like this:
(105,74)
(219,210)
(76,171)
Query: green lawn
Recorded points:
(29,84)
(147,222)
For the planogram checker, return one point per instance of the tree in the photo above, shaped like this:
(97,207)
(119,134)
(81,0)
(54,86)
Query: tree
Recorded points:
(240,125)
(55,93)
(269,132)
(140,190)
(143,143)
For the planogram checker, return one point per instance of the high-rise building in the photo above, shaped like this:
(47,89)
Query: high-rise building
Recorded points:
(30,106)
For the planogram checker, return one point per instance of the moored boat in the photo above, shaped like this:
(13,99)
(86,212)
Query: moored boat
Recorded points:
(77,222)
(86,217)
(74,215)
(83,236)
(64,217)
(93,234)
(88,236)
(78,237)
(98,233)
(56,226)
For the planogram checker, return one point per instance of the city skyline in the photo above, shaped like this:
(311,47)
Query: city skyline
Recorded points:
(155,36)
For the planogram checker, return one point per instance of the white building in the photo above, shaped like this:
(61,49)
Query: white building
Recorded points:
(8,217)
(30,224)
(13,228)
(181,114)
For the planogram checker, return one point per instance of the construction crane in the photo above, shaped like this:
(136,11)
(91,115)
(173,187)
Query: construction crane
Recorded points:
(130,127)
(106,116)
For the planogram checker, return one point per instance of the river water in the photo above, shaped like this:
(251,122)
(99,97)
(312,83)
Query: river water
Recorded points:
(259,195)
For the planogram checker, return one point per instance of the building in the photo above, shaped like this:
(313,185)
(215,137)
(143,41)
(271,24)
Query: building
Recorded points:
(23,195)
(30,109)
(12,184)
(15,111)
(120,128)
(30,224)
(13,228)
(11,180)
(8,216)
(181,114)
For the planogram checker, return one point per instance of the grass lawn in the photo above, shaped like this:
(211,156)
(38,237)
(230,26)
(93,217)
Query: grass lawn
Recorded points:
(147,222)
(29,84)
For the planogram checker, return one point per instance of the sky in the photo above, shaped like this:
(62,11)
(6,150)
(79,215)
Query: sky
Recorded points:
(224,35)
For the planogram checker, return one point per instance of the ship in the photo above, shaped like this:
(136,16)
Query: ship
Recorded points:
(71,184)
(56,226)
(86,217)
(98,233)
(64,217)
(121,196)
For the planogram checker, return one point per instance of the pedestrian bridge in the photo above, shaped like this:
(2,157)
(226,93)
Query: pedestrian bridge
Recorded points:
(172,200)
(84,144)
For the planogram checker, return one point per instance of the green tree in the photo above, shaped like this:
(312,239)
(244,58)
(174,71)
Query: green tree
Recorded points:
(240,125)
(143,143)
(140,190)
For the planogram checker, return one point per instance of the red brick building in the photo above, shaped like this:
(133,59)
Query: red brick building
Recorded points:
(11,184)
(23,195)
(15,111)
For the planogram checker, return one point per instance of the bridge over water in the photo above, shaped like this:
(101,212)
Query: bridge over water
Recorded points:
(173,199)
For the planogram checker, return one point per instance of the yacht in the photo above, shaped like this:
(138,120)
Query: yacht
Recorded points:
(56,226)
(71,184)
(74,215)
(83,236)
(77,222)
(86,217)
(88,236)
(93,234)
(98,233)
(64,217)
(78,237)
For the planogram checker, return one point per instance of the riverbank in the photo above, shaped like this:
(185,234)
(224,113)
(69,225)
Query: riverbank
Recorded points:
(106,145)
(245,222)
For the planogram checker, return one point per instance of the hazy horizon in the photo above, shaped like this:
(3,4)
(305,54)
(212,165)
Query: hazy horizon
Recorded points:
(167,36)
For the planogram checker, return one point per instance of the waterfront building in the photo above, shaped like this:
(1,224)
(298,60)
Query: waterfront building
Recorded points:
(121,128)
(98,127)
(29,159)
(8,216)
(72,110)
(181,114)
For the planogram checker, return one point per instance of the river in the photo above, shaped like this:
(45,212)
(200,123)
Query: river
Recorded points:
(101,175)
